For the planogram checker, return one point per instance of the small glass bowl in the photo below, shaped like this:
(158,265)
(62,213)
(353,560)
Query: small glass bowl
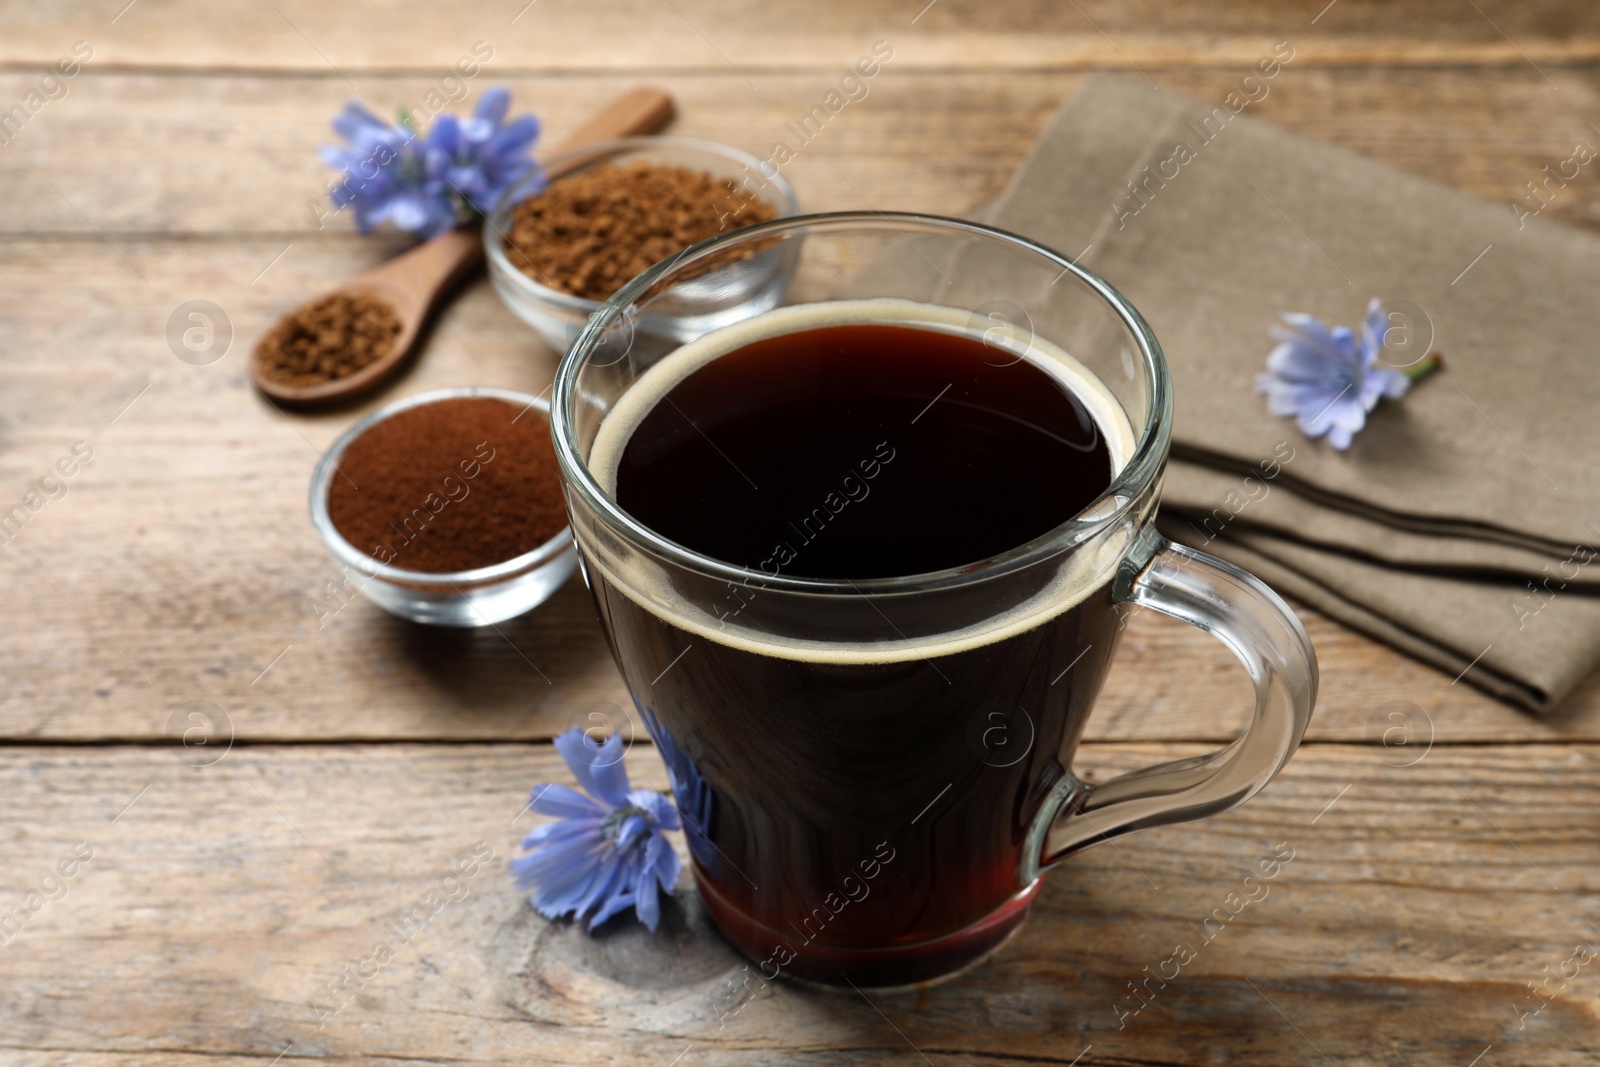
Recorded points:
(731,294)
(477,597)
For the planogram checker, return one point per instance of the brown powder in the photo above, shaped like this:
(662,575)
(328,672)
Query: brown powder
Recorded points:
(329,338)
(450,486)
(589,233)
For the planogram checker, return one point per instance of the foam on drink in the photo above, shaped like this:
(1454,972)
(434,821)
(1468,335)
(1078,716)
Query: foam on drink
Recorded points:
(1079,573)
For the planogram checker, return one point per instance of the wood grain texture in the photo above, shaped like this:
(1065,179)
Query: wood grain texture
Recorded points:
(917,141)
(1417,904)
(1443,861)
(352,38)
(180,564)
(182,554)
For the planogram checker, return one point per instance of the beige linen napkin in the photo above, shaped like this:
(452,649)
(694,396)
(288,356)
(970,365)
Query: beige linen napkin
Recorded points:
(1461,524)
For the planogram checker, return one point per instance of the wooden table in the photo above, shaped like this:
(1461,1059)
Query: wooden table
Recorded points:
(173,592)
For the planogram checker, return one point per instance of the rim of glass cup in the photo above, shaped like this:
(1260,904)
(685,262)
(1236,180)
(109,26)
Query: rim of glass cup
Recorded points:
(494,231)
(1109,508)
(345,552)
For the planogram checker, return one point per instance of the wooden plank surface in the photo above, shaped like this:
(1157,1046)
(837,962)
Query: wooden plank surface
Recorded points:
(1445,845)
(219,900)
(306,35)
(930,142)
(182,554)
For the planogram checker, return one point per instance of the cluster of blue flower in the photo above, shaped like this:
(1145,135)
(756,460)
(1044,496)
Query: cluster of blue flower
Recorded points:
(429,184)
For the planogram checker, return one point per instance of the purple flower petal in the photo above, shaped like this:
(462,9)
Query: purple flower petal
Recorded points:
(647,898)
(1368,391)
(597,767)
(564,802)
(408,210)
(561,868)
(558,890)
(1345,343)
(1374,328)
(608,880)
(661,863)
(492,105)
(355,123)
(647,904)
(658,807)
(444,135)
(1348,413)
(615,903)
(1392,383)
(555,837)
(1298,361)
(515,138)
(632,828)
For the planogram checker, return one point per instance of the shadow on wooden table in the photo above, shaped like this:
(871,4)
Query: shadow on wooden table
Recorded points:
(1168,948)
(547,664)
(686,979)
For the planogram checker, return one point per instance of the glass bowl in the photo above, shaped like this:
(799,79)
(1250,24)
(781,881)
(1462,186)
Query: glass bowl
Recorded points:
(479,597)
(723,296)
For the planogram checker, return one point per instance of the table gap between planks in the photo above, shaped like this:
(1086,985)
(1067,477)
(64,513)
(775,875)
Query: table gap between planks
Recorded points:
(1445,845)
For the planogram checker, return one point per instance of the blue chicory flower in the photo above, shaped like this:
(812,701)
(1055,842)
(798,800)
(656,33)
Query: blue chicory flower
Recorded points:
(426,184)
(608,851)
(1323,378)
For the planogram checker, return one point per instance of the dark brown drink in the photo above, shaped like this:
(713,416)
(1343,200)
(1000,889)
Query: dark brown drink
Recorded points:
(862,809)
(865,450)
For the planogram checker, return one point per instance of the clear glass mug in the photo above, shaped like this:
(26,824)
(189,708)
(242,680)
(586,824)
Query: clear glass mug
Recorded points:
(874,774)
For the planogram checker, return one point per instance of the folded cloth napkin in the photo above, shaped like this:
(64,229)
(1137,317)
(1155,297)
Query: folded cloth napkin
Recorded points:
(1462,522)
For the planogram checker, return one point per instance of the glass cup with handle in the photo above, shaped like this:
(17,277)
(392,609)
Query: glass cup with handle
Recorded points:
(875,770)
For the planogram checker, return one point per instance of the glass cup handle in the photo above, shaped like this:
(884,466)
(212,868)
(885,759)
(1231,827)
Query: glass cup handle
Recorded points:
(1264,633)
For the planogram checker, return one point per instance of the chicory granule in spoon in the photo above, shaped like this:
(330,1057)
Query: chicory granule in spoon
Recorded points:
(328,338)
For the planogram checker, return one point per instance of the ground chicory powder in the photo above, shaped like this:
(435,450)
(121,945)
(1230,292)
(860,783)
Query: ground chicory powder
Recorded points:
(450,486)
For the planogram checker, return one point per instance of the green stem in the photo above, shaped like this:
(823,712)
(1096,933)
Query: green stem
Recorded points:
(1423,367)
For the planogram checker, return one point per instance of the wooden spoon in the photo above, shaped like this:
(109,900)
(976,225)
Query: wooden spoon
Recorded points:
(414,282)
